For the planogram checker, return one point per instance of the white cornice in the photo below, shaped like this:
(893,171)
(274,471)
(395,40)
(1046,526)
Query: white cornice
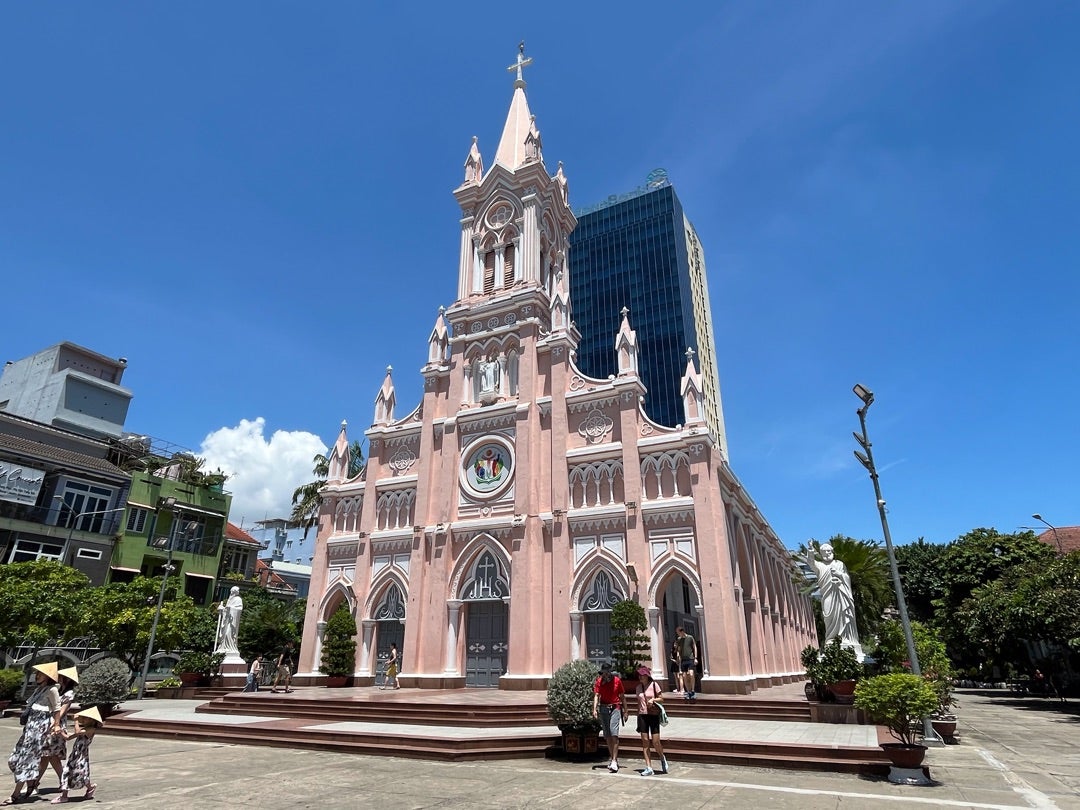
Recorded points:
(596,452)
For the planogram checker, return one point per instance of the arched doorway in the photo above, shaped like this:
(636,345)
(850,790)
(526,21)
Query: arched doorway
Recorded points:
(487,622)
(677,606)
(389,618)
(596,604)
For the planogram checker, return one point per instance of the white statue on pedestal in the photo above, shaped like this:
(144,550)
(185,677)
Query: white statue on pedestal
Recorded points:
(837,602)
(489,377)
(229,623)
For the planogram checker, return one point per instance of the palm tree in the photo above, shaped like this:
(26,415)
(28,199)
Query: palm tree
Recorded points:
(307,498)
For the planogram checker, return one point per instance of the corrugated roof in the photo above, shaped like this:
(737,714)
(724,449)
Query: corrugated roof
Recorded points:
(31,450)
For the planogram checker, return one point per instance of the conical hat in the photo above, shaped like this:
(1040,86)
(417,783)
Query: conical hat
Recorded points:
(93,714)
(71,673)
(49,670)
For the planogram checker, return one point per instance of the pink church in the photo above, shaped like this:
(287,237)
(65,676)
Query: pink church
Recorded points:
(500,519)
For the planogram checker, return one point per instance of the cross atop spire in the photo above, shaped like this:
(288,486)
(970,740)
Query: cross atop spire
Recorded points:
(522,62)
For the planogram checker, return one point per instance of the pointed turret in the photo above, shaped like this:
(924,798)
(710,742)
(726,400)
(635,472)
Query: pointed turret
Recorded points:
(626,347)
(474,164)
(384,402)
(693,399)
(339,457)
(520,123)
(438,340)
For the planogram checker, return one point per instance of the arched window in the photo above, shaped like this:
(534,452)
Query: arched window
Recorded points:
(392,605)
(488,580)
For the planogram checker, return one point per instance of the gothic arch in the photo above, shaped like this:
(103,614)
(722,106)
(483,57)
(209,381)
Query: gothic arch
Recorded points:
(464,573)
(595,565)
(378,592)
(670,566)
(334,597)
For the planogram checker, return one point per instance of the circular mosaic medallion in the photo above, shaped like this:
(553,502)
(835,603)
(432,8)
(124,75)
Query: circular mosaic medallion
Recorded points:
(488,468)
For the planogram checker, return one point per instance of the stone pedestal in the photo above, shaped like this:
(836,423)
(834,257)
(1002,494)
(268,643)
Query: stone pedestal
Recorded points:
(234,672)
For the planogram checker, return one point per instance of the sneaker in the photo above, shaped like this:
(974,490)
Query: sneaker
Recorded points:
(648,772)
(613,767)
(663,764)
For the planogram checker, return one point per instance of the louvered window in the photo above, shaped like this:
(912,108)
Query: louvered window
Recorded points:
(489,272)
(508,266)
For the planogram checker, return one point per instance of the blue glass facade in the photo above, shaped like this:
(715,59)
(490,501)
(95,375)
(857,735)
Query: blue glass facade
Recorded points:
(633,253)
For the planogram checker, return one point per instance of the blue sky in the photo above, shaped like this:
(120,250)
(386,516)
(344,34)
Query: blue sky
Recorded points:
(251,202)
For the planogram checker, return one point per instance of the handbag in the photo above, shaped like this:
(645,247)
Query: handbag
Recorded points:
(663,714)
(24,715)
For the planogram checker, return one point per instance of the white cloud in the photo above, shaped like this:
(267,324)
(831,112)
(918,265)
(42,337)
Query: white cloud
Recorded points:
(262,473)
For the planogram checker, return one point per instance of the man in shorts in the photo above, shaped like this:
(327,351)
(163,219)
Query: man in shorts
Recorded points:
(688,657)
(284,668)
(609,707)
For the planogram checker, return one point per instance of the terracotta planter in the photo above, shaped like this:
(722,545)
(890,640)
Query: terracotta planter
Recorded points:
(189,678)
(336,681)
(581,743)
(905,756)
(167,692)
(944,726)
(843,691)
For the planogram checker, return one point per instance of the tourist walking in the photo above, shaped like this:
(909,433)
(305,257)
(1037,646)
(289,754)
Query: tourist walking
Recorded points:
(284,668)
(77,770)
(688,659)
(609,707)
(252,684)
(676,667)
(392,663)
(54,752)
(649,700)
(43,718)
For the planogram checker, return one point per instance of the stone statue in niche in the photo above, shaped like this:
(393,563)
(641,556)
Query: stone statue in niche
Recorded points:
(489,377)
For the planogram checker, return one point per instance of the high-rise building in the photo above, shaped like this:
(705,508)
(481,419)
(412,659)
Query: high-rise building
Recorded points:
(639,251)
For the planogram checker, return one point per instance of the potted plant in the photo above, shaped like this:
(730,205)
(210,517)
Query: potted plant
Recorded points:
(569,705)
(898,701)
(194,668)
(943,720)
(838,668)
(103,684)
(629,639)
(339,647)
(10,681)
(815,687)
(169,688)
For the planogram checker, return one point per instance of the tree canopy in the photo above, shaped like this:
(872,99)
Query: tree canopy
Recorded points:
(39,601)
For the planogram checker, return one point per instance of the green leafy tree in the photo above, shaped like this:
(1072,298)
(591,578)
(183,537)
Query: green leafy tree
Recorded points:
(871,585)
(307,498)
(39,601)
(985,566)
(119,616)
(268,622)
(922,574)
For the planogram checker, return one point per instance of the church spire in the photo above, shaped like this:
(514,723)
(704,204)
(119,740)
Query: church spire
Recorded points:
(519,124)
(385,401)
(339,456)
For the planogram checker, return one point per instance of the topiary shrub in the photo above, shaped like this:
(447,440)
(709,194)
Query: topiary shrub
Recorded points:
(897,701)
(570,696)
(10,681)
(629,637)
(339,644)
(104,683)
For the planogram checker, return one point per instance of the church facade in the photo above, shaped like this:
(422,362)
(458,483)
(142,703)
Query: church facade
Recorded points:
(498,521)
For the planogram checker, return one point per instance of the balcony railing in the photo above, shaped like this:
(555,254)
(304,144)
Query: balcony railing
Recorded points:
(202,545)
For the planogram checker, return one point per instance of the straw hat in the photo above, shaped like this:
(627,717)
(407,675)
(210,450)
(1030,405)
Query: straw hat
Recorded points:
(71,673)
(92,714)
(49,670)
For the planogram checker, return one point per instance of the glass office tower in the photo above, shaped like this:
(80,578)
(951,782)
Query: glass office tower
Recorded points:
(639,250)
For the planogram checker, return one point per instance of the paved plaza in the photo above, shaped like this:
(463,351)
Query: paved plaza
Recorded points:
(1014,754)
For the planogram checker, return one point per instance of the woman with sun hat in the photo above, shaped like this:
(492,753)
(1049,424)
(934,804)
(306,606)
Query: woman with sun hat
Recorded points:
(54,752)
(43,719)
(77,769)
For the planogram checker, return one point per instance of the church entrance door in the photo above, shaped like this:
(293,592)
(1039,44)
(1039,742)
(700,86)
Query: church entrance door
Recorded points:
(389,631)
(486,643)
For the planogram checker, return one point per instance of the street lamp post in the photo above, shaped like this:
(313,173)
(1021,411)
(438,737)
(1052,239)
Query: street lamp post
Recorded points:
(78,517)
(866,458)
(164,503)
(1053,529)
